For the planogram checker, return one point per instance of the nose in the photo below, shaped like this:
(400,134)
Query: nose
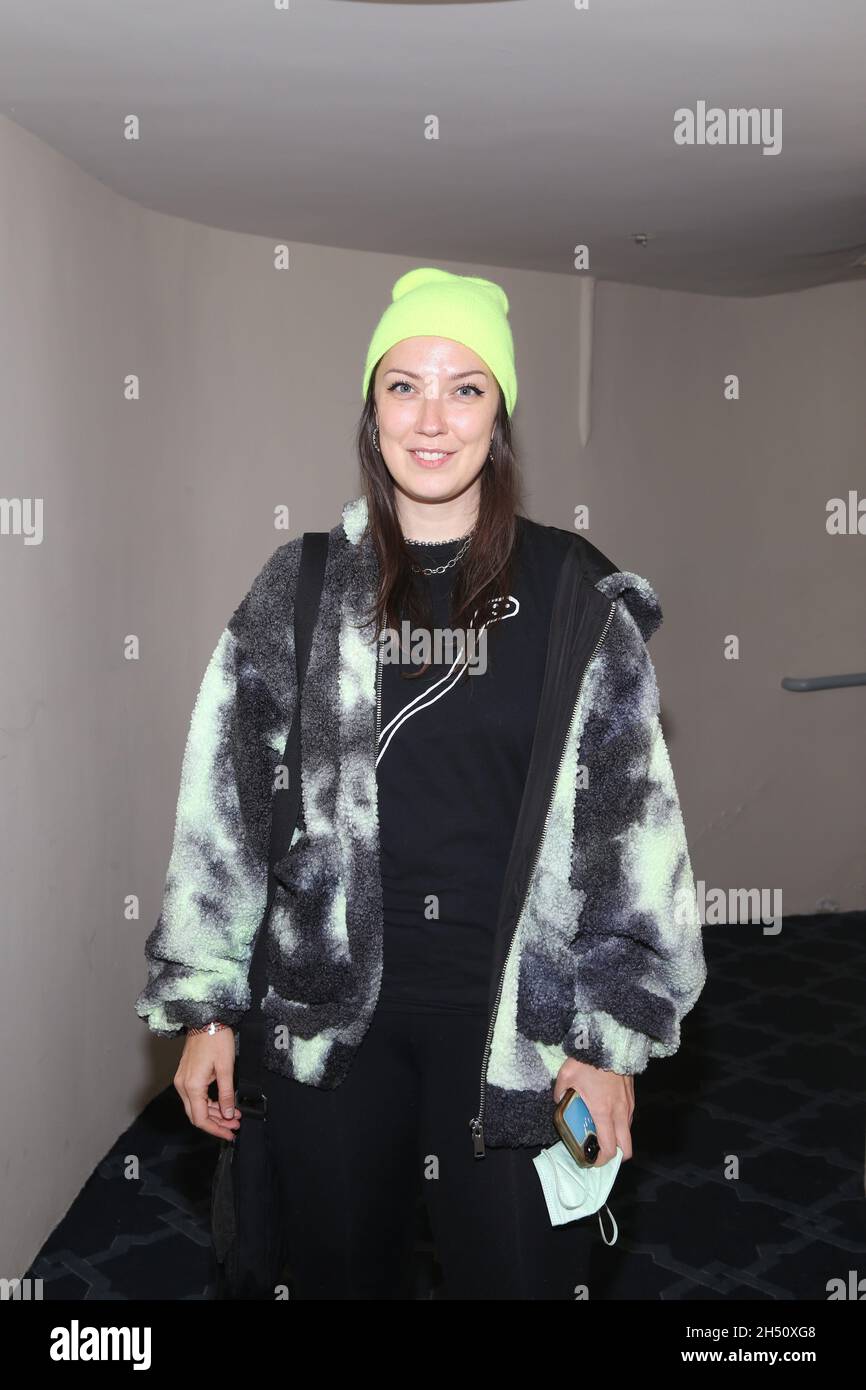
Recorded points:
(431,416)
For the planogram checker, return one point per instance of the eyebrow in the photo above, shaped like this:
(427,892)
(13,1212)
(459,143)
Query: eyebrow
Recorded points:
(455,376)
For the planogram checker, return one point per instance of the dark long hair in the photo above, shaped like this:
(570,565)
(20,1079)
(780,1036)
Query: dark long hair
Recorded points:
(485,571)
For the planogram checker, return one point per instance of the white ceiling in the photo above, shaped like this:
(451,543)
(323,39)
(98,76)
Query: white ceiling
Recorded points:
(556,126)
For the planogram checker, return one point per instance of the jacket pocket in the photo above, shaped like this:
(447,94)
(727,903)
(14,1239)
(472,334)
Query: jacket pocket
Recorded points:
(309,961)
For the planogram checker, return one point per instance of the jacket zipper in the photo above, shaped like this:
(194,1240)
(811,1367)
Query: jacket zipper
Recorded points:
(476,1124)
(378,689)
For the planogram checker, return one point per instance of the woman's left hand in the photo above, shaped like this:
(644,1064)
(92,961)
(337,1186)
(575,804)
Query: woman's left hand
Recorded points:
(610,1100)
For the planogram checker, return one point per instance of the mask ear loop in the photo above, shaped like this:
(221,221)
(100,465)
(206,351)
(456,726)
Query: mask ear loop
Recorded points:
(613,1222)
(572,1206)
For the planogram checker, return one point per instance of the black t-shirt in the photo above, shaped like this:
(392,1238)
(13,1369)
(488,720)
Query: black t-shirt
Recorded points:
(454,752)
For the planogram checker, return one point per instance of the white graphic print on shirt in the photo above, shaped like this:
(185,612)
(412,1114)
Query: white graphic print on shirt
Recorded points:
(501,608)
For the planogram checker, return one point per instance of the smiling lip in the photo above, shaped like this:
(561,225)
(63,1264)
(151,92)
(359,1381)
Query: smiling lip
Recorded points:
(434,462)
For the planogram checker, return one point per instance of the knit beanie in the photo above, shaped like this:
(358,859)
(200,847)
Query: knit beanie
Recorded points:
(428,302)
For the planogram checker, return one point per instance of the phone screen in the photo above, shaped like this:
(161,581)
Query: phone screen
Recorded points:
(578,1119)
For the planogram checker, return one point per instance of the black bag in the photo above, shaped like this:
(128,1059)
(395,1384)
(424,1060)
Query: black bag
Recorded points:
(246,1226)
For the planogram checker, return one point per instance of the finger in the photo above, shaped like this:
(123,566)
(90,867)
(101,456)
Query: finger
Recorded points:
(215,1114)
(198,1100)
(606,1132)
(225,1080)
(622,1126)
(180,1087)
(219,1131)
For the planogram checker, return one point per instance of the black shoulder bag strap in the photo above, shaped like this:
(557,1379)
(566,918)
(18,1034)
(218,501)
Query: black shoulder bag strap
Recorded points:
(285,809)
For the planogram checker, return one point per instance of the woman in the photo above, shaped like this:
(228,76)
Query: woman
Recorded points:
(469,919)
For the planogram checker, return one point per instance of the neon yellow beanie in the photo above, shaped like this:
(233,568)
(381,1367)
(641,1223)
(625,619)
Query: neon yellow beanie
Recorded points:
(428,302)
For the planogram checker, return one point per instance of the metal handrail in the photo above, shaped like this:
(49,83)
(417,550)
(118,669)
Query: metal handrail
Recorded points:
(822,682)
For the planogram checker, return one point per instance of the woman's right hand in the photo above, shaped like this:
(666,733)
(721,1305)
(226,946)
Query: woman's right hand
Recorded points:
(205,1058)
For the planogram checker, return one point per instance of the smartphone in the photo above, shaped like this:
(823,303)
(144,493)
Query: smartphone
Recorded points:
(576,1128)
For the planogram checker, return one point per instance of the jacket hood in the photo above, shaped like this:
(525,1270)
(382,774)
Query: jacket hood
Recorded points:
(637,593)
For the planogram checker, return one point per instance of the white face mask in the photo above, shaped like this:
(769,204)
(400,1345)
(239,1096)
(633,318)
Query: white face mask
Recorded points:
(571,1191)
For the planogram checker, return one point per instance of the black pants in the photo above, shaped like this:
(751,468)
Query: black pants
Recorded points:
(354,1159)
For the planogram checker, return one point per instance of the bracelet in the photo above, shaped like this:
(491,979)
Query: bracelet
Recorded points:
(211,1028)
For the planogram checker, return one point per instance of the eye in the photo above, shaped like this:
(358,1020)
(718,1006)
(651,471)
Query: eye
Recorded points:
(395,384)
(468,386)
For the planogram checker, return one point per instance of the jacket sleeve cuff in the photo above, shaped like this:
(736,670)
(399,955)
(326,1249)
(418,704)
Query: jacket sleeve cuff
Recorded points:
(200,997)
(173,1023)
(597,1038)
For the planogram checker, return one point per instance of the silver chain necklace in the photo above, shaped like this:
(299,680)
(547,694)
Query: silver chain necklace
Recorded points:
(440,569)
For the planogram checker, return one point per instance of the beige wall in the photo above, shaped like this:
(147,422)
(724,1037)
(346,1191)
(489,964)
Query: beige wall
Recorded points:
(158,513)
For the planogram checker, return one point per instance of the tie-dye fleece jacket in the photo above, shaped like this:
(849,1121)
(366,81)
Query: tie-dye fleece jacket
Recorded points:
(598,950)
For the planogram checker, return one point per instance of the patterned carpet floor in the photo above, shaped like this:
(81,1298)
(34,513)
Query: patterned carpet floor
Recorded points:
(769,1082)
